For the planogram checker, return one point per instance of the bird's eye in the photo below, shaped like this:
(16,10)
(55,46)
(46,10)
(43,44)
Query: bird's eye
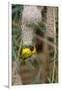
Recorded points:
(32,48)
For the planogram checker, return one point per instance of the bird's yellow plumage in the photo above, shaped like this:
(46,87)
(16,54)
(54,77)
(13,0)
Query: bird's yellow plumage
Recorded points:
(26,52)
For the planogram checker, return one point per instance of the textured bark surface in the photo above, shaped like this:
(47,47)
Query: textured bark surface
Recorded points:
(50,22)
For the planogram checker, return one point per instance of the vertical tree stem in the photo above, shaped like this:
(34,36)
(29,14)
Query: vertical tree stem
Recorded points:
(53,74)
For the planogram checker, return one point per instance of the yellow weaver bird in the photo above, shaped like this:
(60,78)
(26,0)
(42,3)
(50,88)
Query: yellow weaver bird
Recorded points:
(28,52)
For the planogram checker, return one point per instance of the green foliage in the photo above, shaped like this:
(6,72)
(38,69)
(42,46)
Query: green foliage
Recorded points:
(17,12)
(39,27)
(16,38)
(16,29)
